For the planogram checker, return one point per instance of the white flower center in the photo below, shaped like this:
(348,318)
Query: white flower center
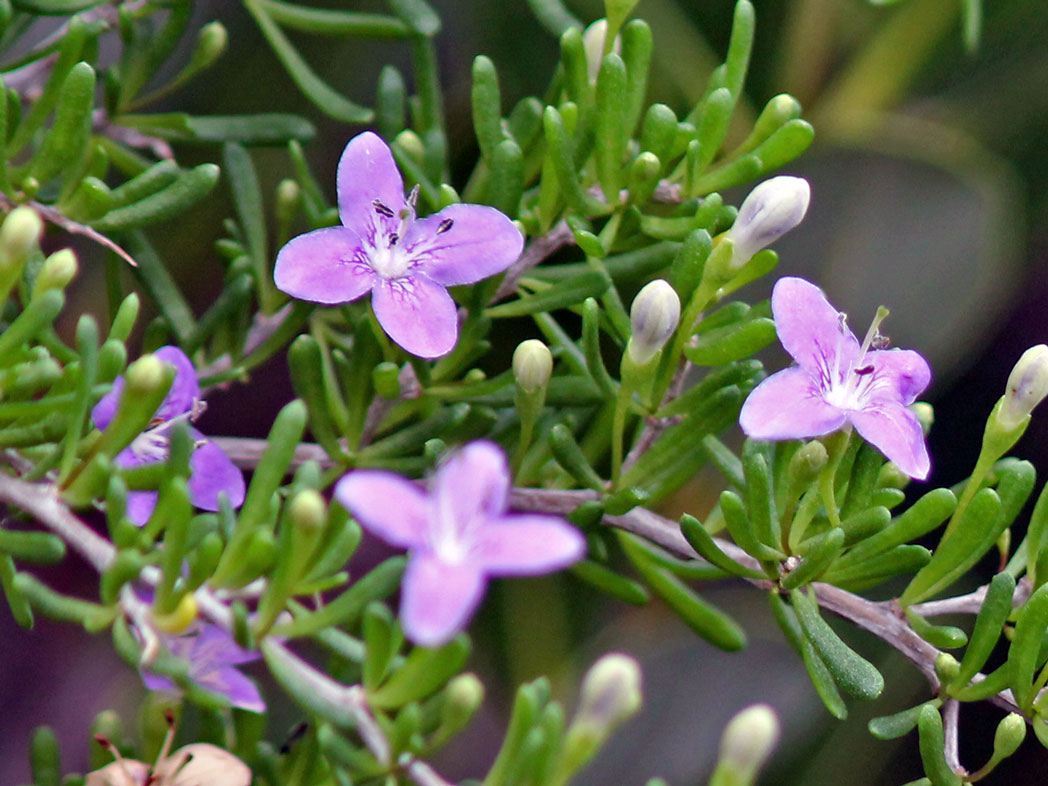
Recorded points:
(389,257)
(850,388)
(153,444)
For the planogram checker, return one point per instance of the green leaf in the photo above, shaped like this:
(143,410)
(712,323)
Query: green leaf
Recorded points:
(566,293)
(989,624)
(1024,654)
(418,15)
(326,99)
(569,455)
(822,680)
(273,128)
(707,548)
(932,745)
(66,140)
(610,125)
(822,552)
(161,286)
(187,189)
(705,619)
(610,582)
(55,7)
(424,671)
(743,531)
(331,21)
(944,637)
(854,674)
(733,342)
(891,727)
(487,106)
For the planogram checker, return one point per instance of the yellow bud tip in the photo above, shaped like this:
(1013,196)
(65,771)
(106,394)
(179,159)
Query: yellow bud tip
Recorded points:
(307,509)
(288,192)
(20,231)
(411,143)
(57,271)
(750,737)
(179,619)
(465,691)
(146,375)
(213,39)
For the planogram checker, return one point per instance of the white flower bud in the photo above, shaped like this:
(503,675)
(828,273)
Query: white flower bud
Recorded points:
(610,693)
(532,365)
(20,231)
(593,43)
(748,740)
(1027,387)
(57,271)
(769,211)
(654,316)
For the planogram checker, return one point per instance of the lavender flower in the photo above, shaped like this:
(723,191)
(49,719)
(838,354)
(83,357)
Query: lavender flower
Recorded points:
(459,535)
(212,656)
(836,382)
(211,471)
(405,262)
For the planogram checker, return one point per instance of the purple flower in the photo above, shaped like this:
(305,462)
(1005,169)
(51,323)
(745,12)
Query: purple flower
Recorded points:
(212,656)
(459,534)
(405,262)
(836,382)
(211,471)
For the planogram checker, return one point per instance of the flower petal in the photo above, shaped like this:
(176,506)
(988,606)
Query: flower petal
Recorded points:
(102,413)
(386,505)
(229,682)
(810,329)
(788,405)
(480,242)
(140,506)
(367,172)
(528,546)
(185,390)
(324,266)
(894,430)
(416,313)
(437,599)
(211,472)
(907,372)
(472,484)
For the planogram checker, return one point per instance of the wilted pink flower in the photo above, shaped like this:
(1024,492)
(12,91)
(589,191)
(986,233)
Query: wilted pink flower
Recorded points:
(836,381)
(405,262)
(459,534)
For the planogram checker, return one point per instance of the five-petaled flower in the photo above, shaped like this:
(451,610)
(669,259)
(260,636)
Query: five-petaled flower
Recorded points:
(459,534)
(211,471)
(836,381)
(212,656)
(405,262)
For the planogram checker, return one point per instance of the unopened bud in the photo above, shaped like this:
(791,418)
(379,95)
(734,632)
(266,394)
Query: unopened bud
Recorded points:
(769,211)
(653,318)
(776,113)
(610,692)
(462,697)
(748,740)
(145,375)
(807,463)
(947,668)
(532,365)
(1027,387)
(56,272)
(1011,732)
(289,197)
(307,510)
(593,42)
(411,144)
(211,43)
(925,413)
(19,233)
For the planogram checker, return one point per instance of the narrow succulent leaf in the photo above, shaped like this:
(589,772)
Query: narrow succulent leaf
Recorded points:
(570,292)
(424,671)
(1024,654)
(65,142)
(173,199)
(821,678)
(891,727)
(707,548)
(988,627)
(944,637)
(161,286)
(610,582)
(17,602)
(854,674)
(334,22)
(743,531)
(610,125)
(487,106)
(819,557)
(637,47)
(932,745)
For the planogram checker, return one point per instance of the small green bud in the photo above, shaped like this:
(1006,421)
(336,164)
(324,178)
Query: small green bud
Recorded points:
(807,463)
(289,197)
(411,143)
(1011,732)
(644,176)
(211,43)
(145,375)
(925,413)
(653,318)
(532,365)
(57,271)
(890,476)
(1027,387)
(307,510)
(19,233)
(610,693)
(946,667)
(462,697)
(748,740)
(179,619)
(770,210)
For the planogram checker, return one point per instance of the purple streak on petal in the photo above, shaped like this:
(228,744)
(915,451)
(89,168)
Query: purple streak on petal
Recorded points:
(324,266)
(809,328)
(103,411)
(788,405)
(480,243)
(437,599)
(894,430)
(140,505)
(528,546)
(185,390)
(472,486)
(386,505)
(417,314)
(211,472)
(907,370)
(367,172)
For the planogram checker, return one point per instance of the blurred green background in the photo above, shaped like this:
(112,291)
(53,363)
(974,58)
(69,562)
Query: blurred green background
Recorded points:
(929,178)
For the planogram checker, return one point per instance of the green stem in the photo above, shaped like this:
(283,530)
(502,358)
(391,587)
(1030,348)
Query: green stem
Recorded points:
(836,445)
(618,430)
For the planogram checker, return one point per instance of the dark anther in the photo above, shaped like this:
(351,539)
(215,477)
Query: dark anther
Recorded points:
(880,342)
(393,238)
(862,372)
(381,209)
(444,226)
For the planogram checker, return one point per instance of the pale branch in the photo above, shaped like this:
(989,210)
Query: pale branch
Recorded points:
(246,452)
(950,722)
(540,249)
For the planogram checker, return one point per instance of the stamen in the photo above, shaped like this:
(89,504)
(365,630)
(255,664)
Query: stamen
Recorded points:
(381,208)
(872,333)
(413,197)
(862,372)
(444,226)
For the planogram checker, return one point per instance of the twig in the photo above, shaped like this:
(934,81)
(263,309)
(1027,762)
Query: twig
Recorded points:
(246,452)
(57,218)
(380,407)
(540,249)
(950,718)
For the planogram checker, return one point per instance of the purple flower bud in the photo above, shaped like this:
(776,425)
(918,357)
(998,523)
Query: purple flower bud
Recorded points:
(654,316)
(769,211)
